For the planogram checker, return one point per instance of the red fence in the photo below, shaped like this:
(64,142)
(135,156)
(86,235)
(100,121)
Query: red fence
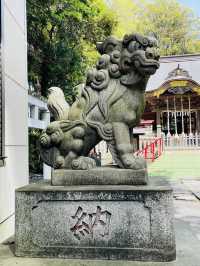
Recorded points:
(152,149)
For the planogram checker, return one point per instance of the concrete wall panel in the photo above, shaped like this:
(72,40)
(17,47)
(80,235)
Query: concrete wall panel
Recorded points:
(14,173)
(12,176)
(16,114)
(14,50)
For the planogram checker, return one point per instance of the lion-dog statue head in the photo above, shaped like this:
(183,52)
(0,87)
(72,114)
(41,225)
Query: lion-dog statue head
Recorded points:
(108,106)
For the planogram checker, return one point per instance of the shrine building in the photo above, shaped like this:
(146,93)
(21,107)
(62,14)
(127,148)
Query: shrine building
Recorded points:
(173,96)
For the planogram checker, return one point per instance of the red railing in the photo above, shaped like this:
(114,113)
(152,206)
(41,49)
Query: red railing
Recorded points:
(152,149)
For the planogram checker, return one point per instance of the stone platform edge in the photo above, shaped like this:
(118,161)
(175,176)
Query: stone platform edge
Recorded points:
(99,176)
(101,253)
(154,184)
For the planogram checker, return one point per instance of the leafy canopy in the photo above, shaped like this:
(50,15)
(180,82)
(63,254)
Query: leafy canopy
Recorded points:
(61,39)
(62,34)
(174,25)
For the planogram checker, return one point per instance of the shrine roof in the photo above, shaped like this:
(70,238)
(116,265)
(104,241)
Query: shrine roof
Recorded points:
(188,64)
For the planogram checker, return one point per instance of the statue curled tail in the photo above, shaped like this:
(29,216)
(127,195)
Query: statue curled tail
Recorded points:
(107,107)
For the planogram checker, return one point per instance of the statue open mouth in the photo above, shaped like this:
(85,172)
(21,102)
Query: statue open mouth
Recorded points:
(108,107)
(150,68)
(145,65)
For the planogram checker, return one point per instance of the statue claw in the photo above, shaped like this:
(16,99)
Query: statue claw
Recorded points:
(60,162)
(57,136)
(45,140)
(133,162)
(83,163)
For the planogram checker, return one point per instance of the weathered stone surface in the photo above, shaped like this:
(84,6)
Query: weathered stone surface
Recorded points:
(98,222)
(108,106)
(99,176)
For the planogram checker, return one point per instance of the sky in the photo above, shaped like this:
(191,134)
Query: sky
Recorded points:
(194,4)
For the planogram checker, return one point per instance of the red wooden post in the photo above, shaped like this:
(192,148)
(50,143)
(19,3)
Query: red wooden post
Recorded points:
(160,147)
(156,148)
(153,151)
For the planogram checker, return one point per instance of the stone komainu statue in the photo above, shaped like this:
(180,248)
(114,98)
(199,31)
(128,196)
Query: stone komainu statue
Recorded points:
(108,107)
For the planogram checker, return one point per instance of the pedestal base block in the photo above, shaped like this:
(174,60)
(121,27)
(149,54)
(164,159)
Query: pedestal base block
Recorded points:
(99,176)
(96,222)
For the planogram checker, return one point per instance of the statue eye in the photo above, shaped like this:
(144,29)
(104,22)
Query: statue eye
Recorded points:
(145,41)
(138,46)
(151,44)
(109,48)
(132,46)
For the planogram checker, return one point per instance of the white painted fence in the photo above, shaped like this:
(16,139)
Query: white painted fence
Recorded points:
(183,141)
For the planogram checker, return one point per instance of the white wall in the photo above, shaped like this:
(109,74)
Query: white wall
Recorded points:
(14,63)
(35,105)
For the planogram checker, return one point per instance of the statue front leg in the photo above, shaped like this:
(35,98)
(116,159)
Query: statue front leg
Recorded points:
(125,148)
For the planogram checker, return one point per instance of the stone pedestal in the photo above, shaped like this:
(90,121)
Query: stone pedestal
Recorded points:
(99,176)
(96,222)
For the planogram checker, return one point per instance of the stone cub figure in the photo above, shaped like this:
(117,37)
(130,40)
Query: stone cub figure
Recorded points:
(108,107)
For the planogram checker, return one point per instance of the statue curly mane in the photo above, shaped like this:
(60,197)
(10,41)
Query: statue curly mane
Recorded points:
(111,101)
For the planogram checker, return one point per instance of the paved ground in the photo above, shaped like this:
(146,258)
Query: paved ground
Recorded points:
(177,164)
(183,171)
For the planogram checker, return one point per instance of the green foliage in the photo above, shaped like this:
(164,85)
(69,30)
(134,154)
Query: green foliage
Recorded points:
(125,12)
(175,26)
(62,34)
(61,38)
(35,162)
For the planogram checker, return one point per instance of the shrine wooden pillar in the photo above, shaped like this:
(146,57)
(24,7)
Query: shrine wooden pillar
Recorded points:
(168,126)
(190,120)
(182,116)
(198,122)
(175,116)
(158,124)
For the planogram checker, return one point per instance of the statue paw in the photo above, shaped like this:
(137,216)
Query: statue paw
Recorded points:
(133,162)
(59,162)
(55,133)
(78,132)
(45,140)
(57,136)
(83,163)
